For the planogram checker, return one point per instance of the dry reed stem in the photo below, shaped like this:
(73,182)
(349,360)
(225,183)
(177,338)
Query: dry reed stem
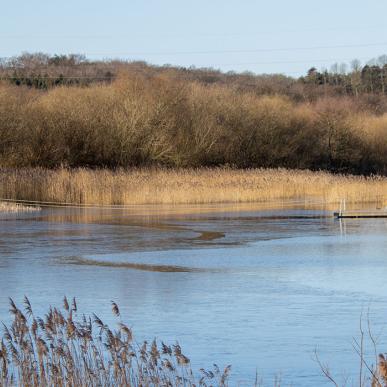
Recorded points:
(187,186)
(61,349)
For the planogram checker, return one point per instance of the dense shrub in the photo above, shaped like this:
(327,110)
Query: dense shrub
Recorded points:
(159,120)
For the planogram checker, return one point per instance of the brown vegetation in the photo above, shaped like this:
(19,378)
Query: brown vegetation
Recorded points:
(143,115)
(44,71)
(160,121)
(187,186)
(62,350)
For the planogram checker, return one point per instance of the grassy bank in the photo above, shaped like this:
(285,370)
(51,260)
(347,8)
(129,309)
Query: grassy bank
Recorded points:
(187,186)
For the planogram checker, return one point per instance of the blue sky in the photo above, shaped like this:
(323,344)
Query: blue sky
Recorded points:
(260,36)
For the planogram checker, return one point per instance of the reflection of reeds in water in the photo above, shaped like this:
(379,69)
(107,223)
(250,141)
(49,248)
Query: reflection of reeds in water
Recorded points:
(15,207)
(187,186)
(60,350)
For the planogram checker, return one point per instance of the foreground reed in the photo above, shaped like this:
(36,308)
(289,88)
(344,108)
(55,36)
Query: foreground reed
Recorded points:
(187,186)
(60,350)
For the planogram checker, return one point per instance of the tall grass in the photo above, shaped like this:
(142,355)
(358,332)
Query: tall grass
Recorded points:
(60,349)
(187,186)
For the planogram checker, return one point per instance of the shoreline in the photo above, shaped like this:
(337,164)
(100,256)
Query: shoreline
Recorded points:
(183,209)
(12,207)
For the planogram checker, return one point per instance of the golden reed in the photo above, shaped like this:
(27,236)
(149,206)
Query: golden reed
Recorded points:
(64,348)
(187,186)
(61,349)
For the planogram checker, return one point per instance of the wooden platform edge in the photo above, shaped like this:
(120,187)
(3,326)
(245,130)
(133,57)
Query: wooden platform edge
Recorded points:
(360,214)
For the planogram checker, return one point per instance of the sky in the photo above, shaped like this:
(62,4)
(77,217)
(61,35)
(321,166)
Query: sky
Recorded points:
(274,36)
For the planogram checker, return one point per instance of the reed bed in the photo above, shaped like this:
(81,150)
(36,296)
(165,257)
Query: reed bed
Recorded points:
(60,349)
(187,186)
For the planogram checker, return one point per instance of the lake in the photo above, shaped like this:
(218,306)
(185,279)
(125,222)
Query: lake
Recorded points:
(260,289)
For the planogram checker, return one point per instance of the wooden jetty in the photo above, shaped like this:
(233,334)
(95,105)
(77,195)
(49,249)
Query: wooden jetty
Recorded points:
(360,214)
(343,213)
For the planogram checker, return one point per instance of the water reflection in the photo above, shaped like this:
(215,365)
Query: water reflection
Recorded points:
(258,289)
(129,265)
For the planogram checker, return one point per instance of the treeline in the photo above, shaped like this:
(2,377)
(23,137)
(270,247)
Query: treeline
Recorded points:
(44,71)
(157,119)
(368,79)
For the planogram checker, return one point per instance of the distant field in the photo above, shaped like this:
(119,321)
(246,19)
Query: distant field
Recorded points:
(187,186)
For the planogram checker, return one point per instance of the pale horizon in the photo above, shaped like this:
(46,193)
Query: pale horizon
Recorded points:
(229,36)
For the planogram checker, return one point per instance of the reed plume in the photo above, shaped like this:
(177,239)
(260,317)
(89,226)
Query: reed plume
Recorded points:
(61,349)
(187,186)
